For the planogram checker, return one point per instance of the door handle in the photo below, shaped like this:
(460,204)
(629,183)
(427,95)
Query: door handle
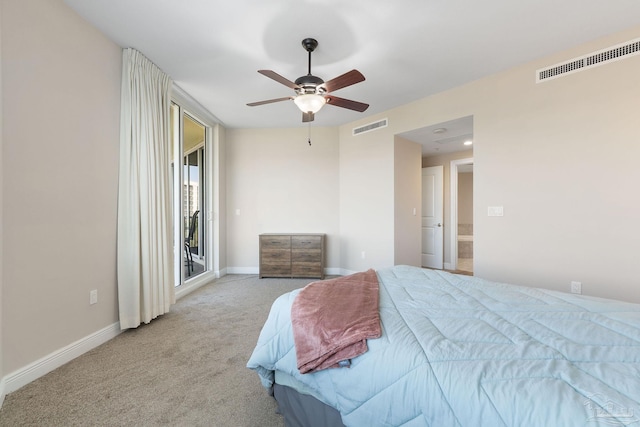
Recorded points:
(439,225)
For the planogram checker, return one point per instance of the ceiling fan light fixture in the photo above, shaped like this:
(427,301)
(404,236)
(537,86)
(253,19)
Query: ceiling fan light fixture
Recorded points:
(310,102)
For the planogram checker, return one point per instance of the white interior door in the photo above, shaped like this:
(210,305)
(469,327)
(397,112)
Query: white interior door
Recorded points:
(432,217)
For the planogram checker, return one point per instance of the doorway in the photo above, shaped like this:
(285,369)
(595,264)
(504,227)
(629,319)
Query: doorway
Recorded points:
(461,201)
(448,144)
(190,201)
(194,195)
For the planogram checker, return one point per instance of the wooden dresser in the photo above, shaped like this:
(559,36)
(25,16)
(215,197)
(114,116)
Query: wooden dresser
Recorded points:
(292,255)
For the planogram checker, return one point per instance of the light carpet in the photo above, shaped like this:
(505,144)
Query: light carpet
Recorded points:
(186,368)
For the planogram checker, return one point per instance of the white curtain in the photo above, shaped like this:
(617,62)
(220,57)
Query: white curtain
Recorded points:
(145,246)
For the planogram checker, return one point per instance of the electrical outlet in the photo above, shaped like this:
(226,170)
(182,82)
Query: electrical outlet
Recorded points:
(93,297)
(576,287)
(495,211)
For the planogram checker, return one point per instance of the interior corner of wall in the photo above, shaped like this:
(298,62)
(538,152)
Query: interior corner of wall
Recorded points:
(2,392)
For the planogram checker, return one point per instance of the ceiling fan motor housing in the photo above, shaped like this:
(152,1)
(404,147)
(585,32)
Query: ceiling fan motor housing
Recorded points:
(309,84)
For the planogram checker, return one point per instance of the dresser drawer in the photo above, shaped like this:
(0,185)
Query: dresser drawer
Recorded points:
(306,255)
(306,242)
(268,242)
(276,256)
(275,270)
(307,269)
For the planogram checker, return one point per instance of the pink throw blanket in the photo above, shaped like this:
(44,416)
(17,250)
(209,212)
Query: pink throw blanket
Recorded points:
(332,319)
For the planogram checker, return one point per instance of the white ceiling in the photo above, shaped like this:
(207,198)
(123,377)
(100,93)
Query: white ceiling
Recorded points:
(407,49)
(443,138)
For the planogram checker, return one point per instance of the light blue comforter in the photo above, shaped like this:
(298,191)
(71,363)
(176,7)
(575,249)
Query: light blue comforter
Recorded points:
(461,351)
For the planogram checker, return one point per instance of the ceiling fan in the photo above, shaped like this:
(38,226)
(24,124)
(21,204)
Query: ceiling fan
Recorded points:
(312,93)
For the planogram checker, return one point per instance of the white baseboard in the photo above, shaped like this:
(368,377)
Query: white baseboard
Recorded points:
(2,392)
(330,271)
(43,366)
(243,270)
(195,283)
(447,266)
(345,272)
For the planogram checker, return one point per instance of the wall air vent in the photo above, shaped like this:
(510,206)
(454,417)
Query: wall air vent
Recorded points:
(371,126)
(614,53)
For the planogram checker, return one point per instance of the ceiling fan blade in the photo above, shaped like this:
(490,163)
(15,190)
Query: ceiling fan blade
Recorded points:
(277,77)
(307,117)
(346,103)
(347,79)
(269,101)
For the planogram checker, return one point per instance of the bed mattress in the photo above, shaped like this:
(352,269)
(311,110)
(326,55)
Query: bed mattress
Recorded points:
(461,351)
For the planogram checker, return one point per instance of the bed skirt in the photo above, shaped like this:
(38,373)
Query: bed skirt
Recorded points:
(302,410)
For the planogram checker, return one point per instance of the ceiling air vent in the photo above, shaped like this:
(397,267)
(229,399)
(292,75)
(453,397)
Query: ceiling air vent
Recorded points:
(614,53)
(371,126)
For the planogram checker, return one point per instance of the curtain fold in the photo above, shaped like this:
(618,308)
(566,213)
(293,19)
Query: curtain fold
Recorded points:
(145,241)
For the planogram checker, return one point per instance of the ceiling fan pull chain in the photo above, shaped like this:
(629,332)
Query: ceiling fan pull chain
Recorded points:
(309,134)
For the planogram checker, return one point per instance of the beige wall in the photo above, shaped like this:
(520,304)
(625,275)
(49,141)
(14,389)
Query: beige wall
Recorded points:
(281,184)
(278,183)
(408,213)
(558,156)
(366,198)
(61,103)
(465,198)
(561,158)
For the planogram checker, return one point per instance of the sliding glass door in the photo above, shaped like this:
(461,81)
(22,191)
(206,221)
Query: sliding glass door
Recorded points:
(189,138)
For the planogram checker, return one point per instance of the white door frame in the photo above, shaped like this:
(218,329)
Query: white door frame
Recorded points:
(453,208)
(209,215)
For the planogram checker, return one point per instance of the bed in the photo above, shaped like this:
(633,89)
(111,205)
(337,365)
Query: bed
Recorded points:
(461,351)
